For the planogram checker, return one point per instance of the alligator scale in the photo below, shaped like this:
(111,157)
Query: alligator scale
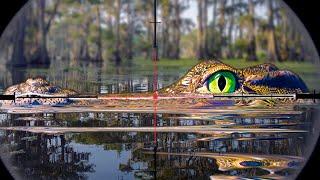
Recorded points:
(205,78)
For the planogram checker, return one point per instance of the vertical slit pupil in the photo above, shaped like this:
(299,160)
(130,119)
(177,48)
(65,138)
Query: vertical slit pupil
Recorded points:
(222,83)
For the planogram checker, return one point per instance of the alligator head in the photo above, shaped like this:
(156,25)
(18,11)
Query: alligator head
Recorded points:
(216,77)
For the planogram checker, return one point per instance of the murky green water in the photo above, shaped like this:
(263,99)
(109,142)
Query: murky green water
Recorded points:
(201,143)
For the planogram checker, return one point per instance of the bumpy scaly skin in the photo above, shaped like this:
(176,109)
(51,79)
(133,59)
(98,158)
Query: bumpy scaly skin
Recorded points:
(261,79)
(38,86)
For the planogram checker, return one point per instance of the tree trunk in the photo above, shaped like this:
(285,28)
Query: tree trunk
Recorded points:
(18,59)
(84,48)
(44,58)
(165,28)
(291,53)
(251,49)
(293,50)
(148,25)
(98,56)
(177,23)
(273,53)
(284,39)
(240,52)
(213,39)
(130,13)
(214,13)
(221,25)
(116,53)
(40,56)
(230,30)
(200,50)
(205,29)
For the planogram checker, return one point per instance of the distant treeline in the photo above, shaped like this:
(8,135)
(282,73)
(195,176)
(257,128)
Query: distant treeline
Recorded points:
(98,30)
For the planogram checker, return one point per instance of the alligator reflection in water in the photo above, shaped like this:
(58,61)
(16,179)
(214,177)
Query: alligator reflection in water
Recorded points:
(199,154)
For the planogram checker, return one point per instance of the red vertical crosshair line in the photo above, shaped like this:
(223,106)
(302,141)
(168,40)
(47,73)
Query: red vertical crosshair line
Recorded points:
(155,93)
(155,71)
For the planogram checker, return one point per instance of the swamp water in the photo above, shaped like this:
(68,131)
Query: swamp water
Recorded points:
(218,142)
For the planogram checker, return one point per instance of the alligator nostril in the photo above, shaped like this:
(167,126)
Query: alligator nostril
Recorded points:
(222,83)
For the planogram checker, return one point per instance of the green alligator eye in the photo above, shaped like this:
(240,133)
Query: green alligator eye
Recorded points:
(222,82)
